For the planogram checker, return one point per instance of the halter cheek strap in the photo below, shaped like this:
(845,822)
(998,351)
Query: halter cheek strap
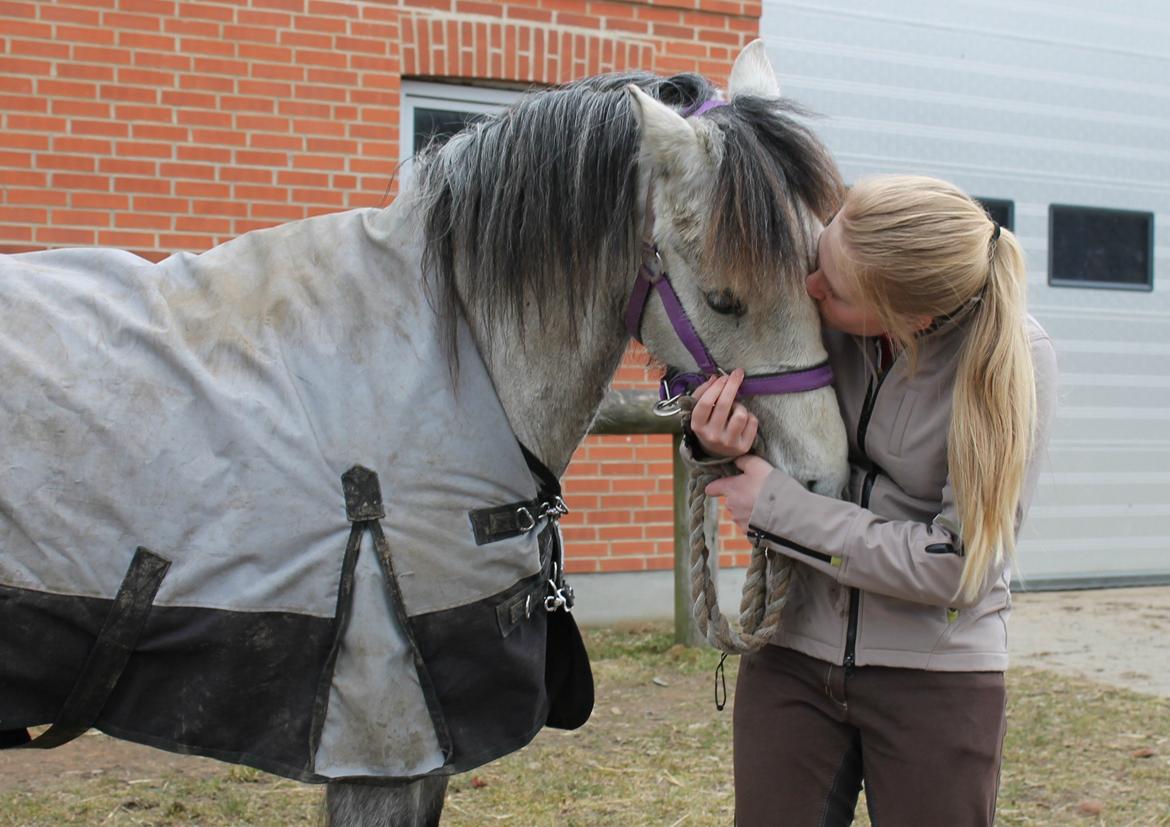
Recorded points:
(650,277)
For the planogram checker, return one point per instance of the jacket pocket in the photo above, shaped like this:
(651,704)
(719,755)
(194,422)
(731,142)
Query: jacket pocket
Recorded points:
(977,629)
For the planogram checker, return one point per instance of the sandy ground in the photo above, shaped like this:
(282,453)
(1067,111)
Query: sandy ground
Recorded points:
(1116,636)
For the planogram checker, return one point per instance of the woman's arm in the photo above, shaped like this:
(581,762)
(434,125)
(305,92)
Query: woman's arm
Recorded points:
(921,562)
(909,560)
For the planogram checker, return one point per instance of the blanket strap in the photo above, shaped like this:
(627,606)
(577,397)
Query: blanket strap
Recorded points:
(560,593)
(364,510)
(110,653)
(502,522)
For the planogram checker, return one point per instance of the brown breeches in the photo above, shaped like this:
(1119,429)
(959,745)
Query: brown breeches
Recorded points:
(928,745)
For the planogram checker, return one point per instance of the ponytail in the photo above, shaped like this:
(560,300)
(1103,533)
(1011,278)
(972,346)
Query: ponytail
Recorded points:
(992,418)
(920,247)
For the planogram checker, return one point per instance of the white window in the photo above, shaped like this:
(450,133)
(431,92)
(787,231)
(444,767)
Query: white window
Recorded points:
(431,110)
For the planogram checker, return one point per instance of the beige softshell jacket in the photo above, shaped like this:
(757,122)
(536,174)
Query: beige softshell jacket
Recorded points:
(879,572)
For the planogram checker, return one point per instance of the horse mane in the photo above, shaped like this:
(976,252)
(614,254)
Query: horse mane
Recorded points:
(539,199)
(773,170)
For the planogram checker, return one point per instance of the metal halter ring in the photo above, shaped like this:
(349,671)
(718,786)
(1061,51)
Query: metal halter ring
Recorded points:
(668,405)
(673,405)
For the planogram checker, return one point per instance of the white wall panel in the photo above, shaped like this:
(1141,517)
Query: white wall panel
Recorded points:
(1039,103)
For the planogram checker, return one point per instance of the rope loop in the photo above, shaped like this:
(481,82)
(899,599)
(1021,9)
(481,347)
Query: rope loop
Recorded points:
(765,591)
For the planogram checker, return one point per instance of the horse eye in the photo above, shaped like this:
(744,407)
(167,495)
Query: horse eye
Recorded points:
(725,302)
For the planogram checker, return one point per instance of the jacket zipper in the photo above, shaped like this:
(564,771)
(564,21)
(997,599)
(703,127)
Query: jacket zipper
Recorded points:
(866,489)
(754,534)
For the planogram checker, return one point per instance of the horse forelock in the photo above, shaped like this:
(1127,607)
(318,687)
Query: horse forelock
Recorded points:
(537,202)
(773,172)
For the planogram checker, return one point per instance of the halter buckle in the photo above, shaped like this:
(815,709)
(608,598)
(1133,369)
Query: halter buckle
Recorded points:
(652,266)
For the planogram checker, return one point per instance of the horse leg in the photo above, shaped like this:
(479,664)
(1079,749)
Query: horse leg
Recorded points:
(410,804)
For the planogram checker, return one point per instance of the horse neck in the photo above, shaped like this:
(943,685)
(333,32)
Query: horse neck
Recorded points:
(550,387)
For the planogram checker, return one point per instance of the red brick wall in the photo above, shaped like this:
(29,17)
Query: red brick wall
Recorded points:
(164,125)
(158,125)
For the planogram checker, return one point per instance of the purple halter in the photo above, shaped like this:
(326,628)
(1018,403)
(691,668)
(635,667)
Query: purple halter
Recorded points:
(651,275)
(767,384)
(697,109)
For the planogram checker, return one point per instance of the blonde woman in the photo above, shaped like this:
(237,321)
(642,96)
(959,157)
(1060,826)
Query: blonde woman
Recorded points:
(889,664)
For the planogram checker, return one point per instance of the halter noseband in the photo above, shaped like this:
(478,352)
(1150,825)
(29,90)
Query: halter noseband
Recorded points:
(652,275)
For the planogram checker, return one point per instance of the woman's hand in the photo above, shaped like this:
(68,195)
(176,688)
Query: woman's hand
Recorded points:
(741,491)
(724,427)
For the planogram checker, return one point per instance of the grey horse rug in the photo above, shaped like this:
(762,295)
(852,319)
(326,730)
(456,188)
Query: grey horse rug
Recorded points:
(247,512)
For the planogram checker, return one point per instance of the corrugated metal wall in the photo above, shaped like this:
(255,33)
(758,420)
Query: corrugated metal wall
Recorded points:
(1040,103)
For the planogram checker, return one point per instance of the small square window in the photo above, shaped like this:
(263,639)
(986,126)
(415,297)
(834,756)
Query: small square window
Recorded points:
(1002,211)
(1098,247)
(439,125)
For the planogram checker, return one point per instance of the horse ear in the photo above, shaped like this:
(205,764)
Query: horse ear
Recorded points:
(666,136)
(752,73)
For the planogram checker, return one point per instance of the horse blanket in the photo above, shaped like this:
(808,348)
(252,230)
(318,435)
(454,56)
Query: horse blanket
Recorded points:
(181,561)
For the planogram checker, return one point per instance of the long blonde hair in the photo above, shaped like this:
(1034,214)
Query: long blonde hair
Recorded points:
(922,247)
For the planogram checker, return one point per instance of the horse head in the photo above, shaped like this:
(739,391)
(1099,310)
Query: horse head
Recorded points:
(537,219)
(736,192)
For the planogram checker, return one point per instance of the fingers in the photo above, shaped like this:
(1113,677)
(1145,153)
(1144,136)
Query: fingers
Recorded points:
(753,465)
(725,401)
(708,382)
(701,412)
(739,496)
(723,425)
(714,399)
(749,433)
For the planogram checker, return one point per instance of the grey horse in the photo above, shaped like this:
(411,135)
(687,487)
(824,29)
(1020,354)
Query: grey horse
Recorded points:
(274,503)
(537,220)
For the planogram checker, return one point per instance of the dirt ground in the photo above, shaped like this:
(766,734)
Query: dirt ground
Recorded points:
(95,756)
(1115,636)
(1120,637)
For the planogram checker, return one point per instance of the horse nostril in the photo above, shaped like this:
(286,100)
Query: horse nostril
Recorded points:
(811,485)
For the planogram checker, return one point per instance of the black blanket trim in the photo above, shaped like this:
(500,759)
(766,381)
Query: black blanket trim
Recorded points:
(110,653)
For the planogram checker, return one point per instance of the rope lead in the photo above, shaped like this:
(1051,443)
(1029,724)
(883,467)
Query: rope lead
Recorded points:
(765,591)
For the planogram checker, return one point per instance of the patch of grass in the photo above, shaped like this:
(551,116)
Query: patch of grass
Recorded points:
(658,753)
(1081,752)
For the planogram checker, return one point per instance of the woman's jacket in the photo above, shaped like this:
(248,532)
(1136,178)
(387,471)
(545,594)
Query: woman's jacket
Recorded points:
(879,571)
